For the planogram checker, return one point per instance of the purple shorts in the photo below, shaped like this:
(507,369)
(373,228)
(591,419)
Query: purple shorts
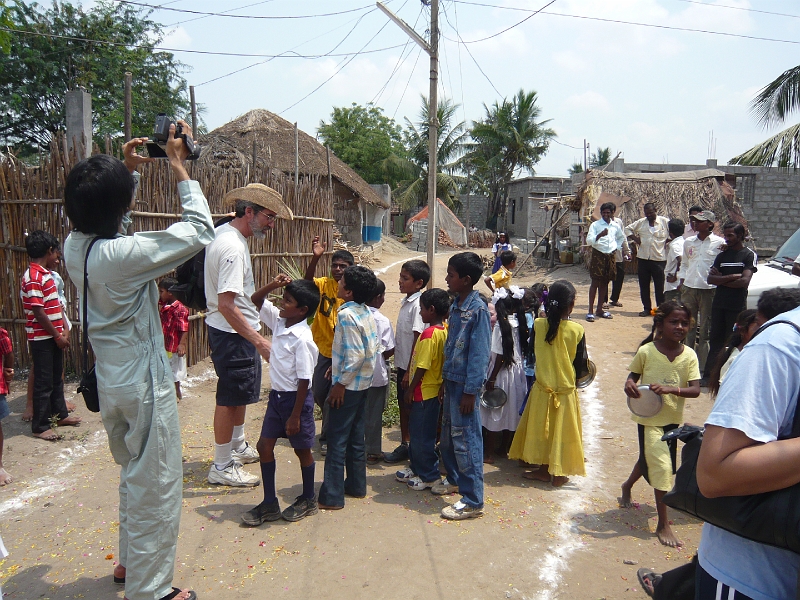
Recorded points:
(279,409)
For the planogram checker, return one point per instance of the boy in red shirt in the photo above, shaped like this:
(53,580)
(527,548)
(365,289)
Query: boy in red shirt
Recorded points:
(7,352)
(175,325)
(44,327)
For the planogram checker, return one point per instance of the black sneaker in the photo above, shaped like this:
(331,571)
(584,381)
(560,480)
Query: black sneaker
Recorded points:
(302,507)
(398,454)
(262,512)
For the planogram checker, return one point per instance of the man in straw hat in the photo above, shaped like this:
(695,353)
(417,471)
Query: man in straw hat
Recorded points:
(233,327)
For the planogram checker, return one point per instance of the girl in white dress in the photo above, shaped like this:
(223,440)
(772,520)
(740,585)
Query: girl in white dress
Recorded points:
(506,369)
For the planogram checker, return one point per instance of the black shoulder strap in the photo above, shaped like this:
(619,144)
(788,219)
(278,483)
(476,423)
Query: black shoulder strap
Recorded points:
(796,420)
(84,324)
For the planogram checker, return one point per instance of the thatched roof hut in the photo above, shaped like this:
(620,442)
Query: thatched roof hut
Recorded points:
(672,193)
(271,140)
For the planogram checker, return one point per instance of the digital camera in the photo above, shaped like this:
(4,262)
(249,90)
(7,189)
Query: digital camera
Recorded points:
(157,147)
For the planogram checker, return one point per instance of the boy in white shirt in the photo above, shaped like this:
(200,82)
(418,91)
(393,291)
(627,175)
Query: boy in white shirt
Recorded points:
(672,287)
(379,391)
(290,411)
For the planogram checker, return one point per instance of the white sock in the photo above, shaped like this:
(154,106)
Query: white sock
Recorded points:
(222,455)
(237,441)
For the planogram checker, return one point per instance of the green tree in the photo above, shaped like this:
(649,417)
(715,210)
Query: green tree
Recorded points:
(367,140)
(600,158)
(510,138)
(575,168)
(772,106)
(95,49)
(451,143)
(5,22)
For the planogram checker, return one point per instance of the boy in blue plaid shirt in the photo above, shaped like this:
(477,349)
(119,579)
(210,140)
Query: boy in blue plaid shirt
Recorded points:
(355,349)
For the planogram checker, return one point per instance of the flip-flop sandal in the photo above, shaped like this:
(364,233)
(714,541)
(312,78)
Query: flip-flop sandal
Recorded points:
(607,315)
(176,591)
(119,580)
(374,459)
(590,318)
(648,579)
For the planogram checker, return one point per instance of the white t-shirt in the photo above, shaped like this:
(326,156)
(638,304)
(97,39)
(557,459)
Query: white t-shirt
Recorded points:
(228,269)
(408,322)
(385,342)
(698,256)
(757,397)
(674,251)
(294,353)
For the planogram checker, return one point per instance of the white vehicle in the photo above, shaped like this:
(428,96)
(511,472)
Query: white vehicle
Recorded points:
(776,272)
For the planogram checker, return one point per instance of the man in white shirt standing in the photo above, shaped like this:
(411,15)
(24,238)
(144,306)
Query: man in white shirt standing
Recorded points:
(699,252)
(604,236)
(233,327)
(672,286)
(650,235)
(620,256)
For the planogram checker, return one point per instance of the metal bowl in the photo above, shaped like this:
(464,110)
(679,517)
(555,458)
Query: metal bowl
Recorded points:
(587,379)
(495,398)
(648,404)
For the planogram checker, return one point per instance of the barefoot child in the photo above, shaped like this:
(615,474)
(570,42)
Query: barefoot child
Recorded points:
(506,371)
(290,411)
(502,277)
(466,355)
(175,326)
(46,335)
(7,352)
(672,370)
(379,390)
(550,433)
(422,393)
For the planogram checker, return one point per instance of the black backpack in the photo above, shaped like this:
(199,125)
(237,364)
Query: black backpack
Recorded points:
(191,289)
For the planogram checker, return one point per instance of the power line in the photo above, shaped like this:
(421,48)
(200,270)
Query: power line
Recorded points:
(618,21)
(342,64)
(563,144)
(494,35)
(329,53)
(399,62)
(184,21)
(755,10)
(211,14)
(405,89)
(461,41)
(205,52)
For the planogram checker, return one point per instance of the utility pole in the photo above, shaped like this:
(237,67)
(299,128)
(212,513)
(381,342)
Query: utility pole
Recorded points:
(432,49)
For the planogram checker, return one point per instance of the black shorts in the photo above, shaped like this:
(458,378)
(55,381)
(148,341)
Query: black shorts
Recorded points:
(238,367)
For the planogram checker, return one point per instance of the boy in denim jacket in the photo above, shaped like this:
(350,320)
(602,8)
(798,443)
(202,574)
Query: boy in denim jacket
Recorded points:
(466,358)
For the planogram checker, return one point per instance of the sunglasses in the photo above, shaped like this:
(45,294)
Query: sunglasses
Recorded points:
(268,217)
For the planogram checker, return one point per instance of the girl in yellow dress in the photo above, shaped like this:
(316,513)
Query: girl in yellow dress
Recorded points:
(549,433)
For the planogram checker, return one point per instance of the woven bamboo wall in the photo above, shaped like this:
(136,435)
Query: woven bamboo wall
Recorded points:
(30,198)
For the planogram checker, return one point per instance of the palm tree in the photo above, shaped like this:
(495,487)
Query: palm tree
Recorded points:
(510,138)
(451,139)
(772,106)
(600,158)
(575,168)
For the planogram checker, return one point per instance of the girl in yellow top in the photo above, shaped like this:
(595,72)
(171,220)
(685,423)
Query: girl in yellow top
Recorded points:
(550,432)
(672,370)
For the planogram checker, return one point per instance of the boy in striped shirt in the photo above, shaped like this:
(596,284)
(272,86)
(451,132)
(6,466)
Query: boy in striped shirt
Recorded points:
(44,327)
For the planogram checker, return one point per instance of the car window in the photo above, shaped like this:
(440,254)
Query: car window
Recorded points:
(790,249)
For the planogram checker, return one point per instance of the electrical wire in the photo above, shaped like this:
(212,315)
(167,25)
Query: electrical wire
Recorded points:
(620,22)
(494,35)
(755,10)
(211,14)
(183,22)
(205,52)
(563,144)
(405,89)
(461,41)
(399,62)
(341,66)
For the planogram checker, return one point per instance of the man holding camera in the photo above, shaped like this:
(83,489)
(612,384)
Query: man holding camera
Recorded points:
(233,327)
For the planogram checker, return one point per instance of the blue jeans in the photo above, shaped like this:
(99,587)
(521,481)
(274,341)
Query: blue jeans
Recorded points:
(461,444)
(346,450)
(423,423)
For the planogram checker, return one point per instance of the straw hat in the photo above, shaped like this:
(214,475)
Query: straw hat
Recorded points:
(263,196)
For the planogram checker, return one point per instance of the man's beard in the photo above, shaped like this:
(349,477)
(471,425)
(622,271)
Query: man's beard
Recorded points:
(257,231)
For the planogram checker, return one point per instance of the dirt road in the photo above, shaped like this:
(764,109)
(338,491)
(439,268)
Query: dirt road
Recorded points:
(59,517)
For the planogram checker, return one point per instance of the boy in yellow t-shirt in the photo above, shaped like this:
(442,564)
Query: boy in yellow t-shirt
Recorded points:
(502,277)
(422,393)
(323,325)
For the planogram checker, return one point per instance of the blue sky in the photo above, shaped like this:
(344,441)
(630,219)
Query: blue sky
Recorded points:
(653,94)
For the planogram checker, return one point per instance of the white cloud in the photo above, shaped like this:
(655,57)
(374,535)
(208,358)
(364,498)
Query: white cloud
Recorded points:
(590,101)
(177,38)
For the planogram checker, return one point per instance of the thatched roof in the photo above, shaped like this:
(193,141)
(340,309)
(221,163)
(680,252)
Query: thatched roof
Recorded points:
(232,145)
(673,194)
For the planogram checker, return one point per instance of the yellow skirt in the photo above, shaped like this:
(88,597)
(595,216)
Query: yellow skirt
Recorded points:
(550,432)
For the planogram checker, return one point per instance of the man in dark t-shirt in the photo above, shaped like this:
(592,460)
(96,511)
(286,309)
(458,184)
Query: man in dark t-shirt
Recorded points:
(731,273)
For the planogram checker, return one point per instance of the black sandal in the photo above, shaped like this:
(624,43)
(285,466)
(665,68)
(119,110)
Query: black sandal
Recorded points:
(648,579)
(176,591)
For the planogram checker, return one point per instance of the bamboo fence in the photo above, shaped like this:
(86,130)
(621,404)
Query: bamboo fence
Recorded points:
(31,198)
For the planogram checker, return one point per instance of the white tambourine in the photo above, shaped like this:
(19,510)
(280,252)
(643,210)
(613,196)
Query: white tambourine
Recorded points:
(648,404)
